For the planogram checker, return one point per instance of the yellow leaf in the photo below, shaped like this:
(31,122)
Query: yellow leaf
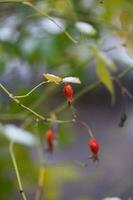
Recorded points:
(52,78)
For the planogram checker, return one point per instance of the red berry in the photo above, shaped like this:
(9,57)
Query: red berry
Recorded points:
(49,135)
(49,139)
(68,92)
(94,146)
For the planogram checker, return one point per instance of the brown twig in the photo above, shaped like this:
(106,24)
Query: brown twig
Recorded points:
(87,127)
(124,90)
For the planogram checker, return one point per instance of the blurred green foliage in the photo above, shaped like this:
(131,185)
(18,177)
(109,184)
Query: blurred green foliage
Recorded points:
(31,44)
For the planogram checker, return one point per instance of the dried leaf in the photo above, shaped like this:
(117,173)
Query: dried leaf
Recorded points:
(52,78)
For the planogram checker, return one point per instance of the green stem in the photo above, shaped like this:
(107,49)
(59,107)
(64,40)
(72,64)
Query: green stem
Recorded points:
(11,1)
(91,87)
(16,171)
(33,89)
(42,168)
(125,72)
(40,183)
(41,99)
(70,4)
(61,121)
(37,115)
(62,107)
(42,13)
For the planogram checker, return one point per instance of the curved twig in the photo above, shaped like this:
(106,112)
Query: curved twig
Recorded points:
(33,89)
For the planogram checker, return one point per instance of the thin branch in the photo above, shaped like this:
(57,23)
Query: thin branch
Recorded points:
(71,6)
(40,183)
(125,72)
(37,115)
(33,89)
(77,96)
(124,90)
(91,87)
(42,13)
(64,105)
(42,167)
(110,49)
(42,98)
(16,171)
(87,127)
(11,1)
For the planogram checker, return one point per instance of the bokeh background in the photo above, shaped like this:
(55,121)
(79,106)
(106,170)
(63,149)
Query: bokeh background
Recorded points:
(32,44)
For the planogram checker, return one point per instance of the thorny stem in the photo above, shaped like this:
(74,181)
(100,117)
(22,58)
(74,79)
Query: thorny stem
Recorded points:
(16,171)
(33,89)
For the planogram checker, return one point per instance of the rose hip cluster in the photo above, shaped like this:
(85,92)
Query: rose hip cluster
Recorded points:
(50,134)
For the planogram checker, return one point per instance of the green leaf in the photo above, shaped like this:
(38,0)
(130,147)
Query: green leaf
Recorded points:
(104,76)
(108,62)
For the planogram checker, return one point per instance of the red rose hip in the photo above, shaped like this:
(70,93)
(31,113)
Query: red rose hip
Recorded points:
(94,146)
(68,92)
(50,140)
